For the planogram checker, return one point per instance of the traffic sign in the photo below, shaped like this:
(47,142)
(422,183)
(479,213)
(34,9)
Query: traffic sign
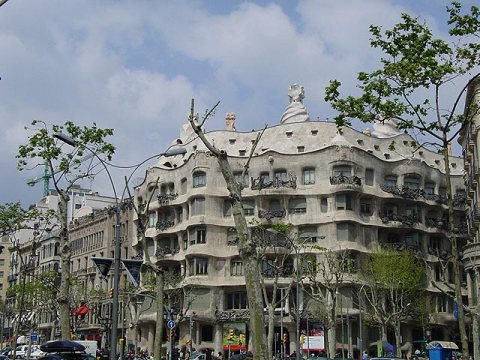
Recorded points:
(171,324)
(34,337)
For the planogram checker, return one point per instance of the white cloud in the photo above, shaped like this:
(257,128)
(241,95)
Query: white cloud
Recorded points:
(135,66)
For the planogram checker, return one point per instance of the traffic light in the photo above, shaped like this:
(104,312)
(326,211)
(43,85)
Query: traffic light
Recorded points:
(110,293)
(285,338)
(171,333)
(231,335)
(241,339)
(302,339)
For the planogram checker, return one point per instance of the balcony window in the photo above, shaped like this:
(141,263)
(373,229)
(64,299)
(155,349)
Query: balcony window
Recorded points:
(391,209)
(308,234)
(434,243)
(308,176)
(429,188)
(199,179)
(412,241)
(198,266)
(412,181)
(239,180)
(236,267)
(281,175)
(275,205)
(390,180)
(323,205)
(345,232)
(366,207)
(248,207)
(197,206)
(342,170)
(198,236)
(369,177)
(237,301)
(265,177)
(297,206)
(344,202)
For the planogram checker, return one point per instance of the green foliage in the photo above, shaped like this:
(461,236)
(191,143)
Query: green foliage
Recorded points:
(391,269)
(13,218)
(414,66)
(282,227)
(42,146)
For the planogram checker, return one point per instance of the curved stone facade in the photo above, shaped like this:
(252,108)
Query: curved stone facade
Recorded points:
(349,191)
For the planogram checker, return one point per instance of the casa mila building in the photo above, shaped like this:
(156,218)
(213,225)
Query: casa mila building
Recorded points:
(341,191)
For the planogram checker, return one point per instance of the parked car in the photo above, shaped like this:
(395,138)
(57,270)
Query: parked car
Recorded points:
(4,357)
(5,350)
(67,356)
(20,353)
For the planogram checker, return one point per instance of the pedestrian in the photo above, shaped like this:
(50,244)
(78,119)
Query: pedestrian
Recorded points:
(365,356)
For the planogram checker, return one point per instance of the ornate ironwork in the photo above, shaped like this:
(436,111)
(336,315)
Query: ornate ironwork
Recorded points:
(164,224)
(165,250)
(343,179)
(278,271)
(260,183)
(404,219)
(459,199)
(164,199)
(232,315)
(141,207)
(269,215)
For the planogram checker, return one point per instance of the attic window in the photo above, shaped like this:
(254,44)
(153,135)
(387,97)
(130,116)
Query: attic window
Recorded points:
(289,133)
(359,141)
(387,155)
(454,165)
(370,151)
(405,142)
(231,141)
(314,132)
(420,153)
(265,149)
(376,147)
(437,162)
(301,149)
(242,152)
(194,147)
(253,141)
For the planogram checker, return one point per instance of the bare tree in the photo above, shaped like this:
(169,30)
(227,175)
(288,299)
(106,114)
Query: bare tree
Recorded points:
(275,252)
(246,243)
(323,280)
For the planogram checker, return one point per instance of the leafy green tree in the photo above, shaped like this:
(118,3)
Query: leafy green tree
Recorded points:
(411,88)
(394,282)
(66,168)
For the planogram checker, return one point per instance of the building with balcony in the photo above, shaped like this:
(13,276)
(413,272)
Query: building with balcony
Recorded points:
(342,191)
(469,139)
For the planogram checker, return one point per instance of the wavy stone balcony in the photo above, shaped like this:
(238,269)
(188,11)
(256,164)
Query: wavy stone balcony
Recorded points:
(260,183)
(408,220)
(346,182)
(459,200)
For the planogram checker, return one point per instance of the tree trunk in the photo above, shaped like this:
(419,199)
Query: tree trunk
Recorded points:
(398,339)
(250,259)
(271,330)
(66,254)
(159,291)
(383,332)
(332,341)
(455,259)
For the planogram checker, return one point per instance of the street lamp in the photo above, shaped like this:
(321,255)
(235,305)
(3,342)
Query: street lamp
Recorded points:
(117,251)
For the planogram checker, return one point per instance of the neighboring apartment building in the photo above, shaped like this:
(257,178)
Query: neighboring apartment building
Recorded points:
(470,141)
(349,191)
(46,254)
(4,265)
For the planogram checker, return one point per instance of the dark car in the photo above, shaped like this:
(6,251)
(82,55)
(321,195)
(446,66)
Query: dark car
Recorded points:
(4,357)
(67,356)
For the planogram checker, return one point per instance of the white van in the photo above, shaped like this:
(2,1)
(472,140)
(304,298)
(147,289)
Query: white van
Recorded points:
(90,346)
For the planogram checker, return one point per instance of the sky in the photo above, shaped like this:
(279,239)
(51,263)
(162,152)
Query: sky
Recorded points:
(135,65)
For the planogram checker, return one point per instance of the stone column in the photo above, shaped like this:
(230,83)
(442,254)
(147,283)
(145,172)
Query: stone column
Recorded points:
(218,338)
(151,338)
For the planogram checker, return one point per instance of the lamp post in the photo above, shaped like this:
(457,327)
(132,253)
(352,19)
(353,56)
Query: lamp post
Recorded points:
(117,250)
